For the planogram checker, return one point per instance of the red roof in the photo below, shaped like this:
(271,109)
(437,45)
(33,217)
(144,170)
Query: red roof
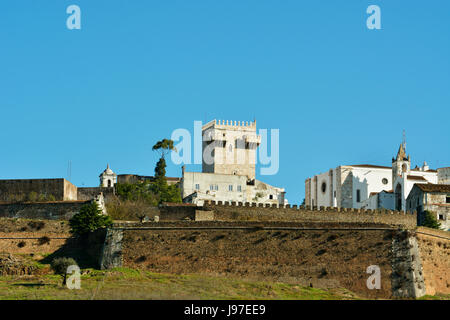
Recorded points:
(430,187)
(410,177)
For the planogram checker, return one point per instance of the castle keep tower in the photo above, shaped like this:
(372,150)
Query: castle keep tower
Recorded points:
(229,147)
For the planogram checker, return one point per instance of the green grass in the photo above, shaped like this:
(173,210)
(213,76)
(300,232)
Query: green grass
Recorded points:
(123,283)
(126,283)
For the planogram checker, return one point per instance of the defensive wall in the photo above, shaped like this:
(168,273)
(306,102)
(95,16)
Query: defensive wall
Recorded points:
(59,189)
(56,210)
(89,193)
(238,211)
(318,247)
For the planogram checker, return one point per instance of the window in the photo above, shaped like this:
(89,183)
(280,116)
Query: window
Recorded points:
(216,187)
(447,199)
(358,195)
(109,183)
(385,181)
(197,187)
(441,217)
(239,188)
(270,196)
(324,187)
(211,187)
(335,193)
(230,187)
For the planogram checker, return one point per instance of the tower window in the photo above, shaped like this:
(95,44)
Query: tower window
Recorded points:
(404,167)
(230,187)
(271,197)
(385,181)
(109,183)
(358,195)
(324,187)
(197,187)
(239,188)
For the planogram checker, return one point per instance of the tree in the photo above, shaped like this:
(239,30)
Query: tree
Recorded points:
(60,265)
(164,146)
(159,186)
(429,220)
(89,219)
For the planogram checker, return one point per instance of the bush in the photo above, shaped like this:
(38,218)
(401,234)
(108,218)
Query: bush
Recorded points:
(43,240)
(36,225)
(89,219)
(129,209)
(430,220)
(60,265)
(21,244)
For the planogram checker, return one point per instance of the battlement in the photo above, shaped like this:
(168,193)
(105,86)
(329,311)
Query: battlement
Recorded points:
(301,207)
(245,211)
(229,124)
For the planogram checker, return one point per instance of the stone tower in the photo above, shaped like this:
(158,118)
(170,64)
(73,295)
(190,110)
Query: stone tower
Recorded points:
(108,178)
(401,163)
(229,147)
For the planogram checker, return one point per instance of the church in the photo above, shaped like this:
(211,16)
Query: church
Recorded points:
(365,186)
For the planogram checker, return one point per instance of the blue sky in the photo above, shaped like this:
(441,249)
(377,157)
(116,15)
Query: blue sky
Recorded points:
(338,92)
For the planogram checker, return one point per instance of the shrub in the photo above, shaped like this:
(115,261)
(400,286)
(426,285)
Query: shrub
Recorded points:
(43,240)
(89,219)
(36,225)
(129,209)
(33,196)
(60,265)
(429,220)
(21,244)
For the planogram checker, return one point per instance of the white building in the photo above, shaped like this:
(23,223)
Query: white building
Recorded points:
(108,178)
(369,186)
(228,167)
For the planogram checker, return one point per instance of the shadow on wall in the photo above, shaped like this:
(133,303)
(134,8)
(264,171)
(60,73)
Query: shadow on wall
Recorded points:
(361,192)
(86,251)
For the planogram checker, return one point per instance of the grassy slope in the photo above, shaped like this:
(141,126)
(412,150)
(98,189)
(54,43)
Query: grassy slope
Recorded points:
(132,284)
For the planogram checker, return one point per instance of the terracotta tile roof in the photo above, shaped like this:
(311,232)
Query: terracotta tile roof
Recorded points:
(369,166)
(430,187)
(410,177)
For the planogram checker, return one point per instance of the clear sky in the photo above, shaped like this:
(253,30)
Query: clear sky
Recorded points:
(338,92)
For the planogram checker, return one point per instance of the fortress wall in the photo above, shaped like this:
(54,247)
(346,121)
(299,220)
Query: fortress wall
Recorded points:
(265,212)
(22,188)
(70,191)
(58,210)
(177,211)
(319,258)
(88,193)
(434,248)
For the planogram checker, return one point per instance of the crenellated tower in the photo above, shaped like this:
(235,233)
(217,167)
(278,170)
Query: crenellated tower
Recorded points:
(229,147)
